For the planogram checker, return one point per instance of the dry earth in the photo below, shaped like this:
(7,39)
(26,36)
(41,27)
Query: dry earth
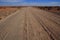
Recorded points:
(5,11)
(30,24)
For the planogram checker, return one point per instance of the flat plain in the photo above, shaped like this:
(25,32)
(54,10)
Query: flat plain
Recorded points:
(30,23)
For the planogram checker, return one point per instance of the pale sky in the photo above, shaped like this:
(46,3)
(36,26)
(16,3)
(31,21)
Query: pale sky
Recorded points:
(30,2)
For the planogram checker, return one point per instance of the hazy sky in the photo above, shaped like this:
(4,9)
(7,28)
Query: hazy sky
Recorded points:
(30,2)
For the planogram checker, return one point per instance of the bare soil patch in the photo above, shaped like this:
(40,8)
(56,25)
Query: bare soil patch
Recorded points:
(5,11)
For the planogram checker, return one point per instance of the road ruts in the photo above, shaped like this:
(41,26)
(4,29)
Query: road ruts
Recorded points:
(51,26)
(30,23)
(38,33)
(13,27)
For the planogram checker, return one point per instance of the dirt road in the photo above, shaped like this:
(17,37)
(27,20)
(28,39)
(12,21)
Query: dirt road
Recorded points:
(30,24)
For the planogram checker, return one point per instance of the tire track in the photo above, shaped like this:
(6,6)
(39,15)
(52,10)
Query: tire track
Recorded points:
(35,28)
(44,27)
(51,34)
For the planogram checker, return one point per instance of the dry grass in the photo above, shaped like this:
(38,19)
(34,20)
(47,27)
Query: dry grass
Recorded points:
(5,11)
(54,9)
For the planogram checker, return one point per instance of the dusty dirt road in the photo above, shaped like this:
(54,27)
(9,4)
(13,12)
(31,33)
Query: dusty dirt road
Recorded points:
(30,24)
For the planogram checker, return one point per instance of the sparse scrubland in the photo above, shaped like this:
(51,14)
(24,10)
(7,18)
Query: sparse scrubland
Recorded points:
(53,9)
(5,11)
